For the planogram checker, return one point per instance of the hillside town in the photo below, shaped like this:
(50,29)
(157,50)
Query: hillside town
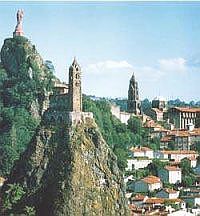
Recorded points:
(67,156)
(166,180)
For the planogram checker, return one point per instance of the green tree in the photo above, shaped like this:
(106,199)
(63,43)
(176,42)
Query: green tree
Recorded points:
(155,166)
(135,125)
(116,134)
(12,195)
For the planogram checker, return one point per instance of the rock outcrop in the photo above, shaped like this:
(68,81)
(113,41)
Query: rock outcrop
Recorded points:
(23,64)
(25,83)
(69,170)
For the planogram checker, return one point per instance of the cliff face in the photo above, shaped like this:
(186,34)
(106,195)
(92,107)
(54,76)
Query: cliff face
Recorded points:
(69,170)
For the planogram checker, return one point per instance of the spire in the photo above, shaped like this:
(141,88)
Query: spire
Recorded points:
(75,63)
(133,77)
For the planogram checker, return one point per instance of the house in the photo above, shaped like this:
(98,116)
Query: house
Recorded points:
(167,193)
(138,200)
(170,174)
(193,161)
(135,210)
(141,152)
(164,142)
(181,212)
(182,116)
(175,155)
(156,114)
(149,183)
(193,200)
(128,178)
(158,202)
(138,163)
(182,139)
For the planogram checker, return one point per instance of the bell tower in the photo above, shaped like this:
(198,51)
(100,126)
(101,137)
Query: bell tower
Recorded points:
(134,104)
(75,93)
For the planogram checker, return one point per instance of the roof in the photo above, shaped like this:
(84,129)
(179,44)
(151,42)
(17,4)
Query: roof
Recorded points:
(138,197)
(179,133)
(155,200)
(151,179)
(172,168)
(152,124)
(179,152)
(195,132)
(166,139)
(169,190)
(187,109)
(140,149)
(192,158)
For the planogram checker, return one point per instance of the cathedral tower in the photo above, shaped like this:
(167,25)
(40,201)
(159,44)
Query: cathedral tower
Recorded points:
(134,104)
(75,93)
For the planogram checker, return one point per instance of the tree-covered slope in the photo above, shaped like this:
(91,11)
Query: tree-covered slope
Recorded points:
(118,135)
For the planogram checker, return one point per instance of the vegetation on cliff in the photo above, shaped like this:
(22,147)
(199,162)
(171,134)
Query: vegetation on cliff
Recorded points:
(24,81)
(120,137)
(66,171)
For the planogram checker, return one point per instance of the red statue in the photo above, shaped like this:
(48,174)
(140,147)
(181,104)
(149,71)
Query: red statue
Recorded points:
(18,29)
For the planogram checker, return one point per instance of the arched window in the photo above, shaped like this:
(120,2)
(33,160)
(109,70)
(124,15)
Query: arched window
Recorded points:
(77,76)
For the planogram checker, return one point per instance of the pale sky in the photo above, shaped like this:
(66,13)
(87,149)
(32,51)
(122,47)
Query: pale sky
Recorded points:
(159,42)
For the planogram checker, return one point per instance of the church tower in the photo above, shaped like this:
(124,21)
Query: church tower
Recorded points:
(75,93)
(134,104)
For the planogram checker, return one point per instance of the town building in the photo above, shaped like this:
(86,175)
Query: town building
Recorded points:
(175,155)
(170,174)
(149,183)
(193,200)
(141,151)
(167,193)
(138,163)
(158,109)
(122,116)
(134,103)
(154,202)
(181,139)
(159,103)
(182,116)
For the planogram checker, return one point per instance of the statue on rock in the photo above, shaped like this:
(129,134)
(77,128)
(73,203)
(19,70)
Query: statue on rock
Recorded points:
(18,29)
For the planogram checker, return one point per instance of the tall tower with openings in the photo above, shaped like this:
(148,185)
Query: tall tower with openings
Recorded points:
(134,104)
(75,93)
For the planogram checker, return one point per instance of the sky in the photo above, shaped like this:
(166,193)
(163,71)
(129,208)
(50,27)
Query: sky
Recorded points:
(159,42)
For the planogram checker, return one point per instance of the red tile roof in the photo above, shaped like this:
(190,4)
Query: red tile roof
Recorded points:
(138,197)
(166,139)
(187,109)
(140,149)
(179,152)
(172,168)
(169,190)
(155,200)
(195,132)
(179,133)
(151,179)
